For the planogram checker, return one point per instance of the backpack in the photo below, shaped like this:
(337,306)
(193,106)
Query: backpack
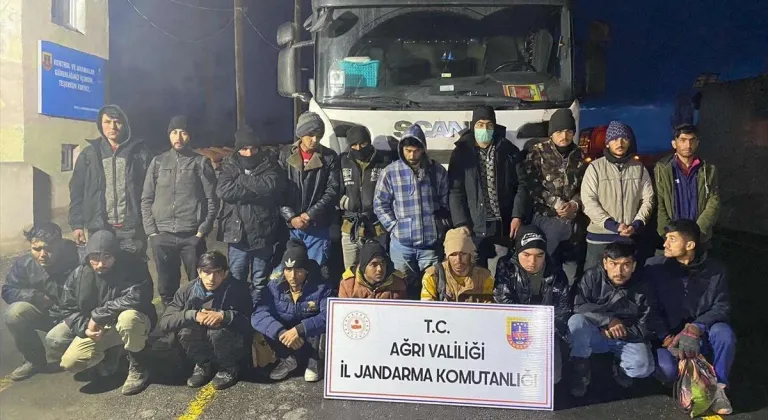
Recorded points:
(443,221)
(440,281)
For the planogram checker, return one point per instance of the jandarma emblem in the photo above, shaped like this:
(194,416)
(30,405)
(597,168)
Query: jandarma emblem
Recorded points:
(517,333)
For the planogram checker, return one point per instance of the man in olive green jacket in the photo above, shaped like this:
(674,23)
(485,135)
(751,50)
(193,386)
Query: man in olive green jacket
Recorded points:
(686,185)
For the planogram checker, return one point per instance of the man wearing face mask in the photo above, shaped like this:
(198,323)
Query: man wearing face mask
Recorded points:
(360,169)
(178,207)
(617,193)
(313,175)
(554,170)
(488,194)
(251,184)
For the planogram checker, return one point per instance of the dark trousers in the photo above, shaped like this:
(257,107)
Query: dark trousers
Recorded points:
(559,246)
(313,349)
(594,255)
(223,346)
(719,345)
(169,251)
(491,244)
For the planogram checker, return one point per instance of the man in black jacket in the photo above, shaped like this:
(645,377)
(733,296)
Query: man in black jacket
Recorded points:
(212,317)
(178,206)
(690,307)
(313,175)
(529,277)
(105,189)
(251,185)
(611,315)
(360,169)
(107,304)
(488,194)
(32,289)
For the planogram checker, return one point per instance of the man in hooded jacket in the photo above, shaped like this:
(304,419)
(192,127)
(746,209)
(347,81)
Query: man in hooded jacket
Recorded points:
(106,305)
(374,278)
(361,167)
(178,206)
(529,277)
(488,192)
(250,185)
(106,184)
(411,194)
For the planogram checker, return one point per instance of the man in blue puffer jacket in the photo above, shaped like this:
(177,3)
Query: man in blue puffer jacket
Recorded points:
(290,313)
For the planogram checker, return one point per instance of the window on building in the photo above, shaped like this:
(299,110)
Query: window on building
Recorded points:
(69,14)
(69,154)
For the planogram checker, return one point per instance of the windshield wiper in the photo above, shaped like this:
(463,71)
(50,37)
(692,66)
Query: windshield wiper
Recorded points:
(405,103)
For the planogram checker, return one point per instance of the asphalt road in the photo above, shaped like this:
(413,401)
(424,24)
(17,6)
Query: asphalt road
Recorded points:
(59,396)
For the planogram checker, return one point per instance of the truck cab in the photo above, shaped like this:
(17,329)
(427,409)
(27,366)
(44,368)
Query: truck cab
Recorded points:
(389,64)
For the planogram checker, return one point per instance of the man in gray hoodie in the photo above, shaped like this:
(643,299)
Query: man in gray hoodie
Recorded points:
(105,189)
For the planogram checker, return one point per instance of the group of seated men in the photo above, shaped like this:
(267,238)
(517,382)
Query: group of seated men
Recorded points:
(409,228)
(677,306)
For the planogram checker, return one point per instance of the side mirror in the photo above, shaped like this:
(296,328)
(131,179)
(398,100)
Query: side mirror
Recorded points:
(288,76)
(286,34)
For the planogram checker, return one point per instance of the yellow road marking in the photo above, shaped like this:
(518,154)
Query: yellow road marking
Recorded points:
(712,417)
(198,405)
(5,382)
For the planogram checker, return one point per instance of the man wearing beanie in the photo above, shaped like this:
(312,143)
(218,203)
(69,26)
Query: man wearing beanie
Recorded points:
(555,169)
(374,278)
(529,277)
(107,307)
(313,187)
(458,279)
(361,167)
(106,184)
(178,207)
(291,314)
(617,193)
(488,192)
(251,184)
(411,202)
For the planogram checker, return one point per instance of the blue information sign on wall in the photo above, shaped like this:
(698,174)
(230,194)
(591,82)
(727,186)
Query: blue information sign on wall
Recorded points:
(71,83)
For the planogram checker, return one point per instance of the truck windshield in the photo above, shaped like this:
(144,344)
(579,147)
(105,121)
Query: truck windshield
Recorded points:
(445,57)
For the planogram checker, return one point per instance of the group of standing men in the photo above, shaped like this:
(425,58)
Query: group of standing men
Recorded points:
(546,206)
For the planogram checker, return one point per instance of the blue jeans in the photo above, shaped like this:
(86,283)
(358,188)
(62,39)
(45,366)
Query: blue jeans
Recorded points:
(317,241)
(719,345)
(258,262)
(411,261)
(636,359)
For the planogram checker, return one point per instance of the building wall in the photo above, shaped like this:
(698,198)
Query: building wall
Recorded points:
(43,135)
(11,78)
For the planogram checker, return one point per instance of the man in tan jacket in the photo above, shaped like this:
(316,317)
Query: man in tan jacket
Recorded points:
(617,194)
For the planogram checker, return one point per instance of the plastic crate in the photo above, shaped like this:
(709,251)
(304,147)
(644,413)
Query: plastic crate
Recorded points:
(361,74)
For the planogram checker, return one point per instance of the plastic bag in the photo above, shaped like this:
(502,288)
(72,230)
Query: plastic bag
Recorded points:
(695,386)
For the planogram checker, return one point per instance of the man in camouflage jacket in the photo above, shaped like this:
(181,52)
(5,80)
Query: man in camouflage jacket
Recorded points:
(555,169)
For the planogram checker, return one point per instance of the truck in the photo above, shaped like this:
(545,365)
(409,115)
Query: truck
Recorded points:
(387,64)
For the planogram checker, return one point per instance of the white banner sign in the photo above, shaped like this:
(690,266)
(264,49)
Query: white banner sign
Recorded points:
(465,354)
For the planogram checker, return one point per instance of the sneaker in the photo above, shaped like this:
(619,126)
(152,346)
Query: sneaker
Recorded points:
(138,377)
(582,375)
(225,378)
(720,404)
(201,375)
(283,368)
(620,376)
(26,371)
(312,373)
